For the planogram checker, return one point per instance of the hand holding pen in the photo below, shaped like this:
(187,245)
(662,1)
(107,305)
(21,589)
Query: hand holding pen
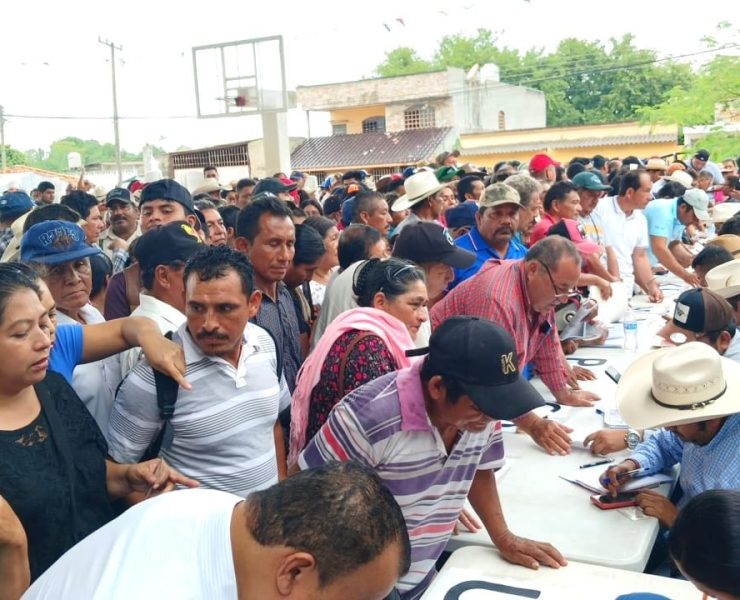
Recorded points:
(617,475)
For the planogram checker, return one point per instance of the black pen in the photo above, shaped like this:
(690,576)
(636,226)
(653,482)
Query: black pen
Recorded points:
(606,461)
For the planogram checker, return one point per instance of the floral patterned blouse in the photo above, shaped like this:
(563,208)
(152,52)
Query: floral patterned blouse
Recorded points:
(368,360)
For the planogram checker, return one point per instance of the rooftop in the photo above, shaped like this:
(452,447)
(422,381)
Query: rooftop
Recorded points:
(369,149)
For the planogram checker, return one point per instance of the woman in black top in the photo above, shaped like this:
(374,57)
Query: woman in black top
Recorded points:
(55,481)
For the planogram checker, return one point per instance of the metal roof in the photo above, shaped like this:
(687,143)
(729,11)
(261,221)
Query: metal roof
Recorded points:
(369,149)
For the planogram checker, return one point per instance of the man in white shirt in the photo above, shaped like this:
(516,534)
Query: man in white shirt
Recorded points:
(626,231)
(224,430)
(278,543)
(162,253)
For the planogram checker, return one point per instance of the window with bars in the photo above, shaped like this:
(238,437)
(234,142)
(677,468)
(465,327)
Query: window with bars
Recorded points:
(501,120)
(339,129)
(418,117)
(230,156)
(373,124)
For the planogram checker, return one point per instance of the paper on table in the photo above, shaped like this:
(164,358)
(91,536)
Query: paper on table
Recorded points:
(589,479)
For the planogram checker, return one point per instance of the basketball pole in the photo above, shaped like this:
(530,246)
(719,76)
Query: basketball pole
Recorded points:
(276,143)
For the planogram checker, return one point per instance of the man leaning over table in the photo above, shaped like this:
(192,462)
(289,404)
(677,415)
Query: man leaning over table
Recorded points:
(521,296)
(694,394)
(700,315)
(431,434)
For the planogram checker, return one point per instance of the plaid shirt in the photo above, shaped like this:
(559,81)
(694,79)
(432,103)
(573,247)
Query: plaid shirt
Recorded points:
(499,293)
(6,236)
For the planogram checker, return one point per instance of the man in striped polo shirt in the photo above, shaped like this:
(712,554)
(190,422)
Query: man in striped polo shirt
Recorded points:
(430,433)
(225,429)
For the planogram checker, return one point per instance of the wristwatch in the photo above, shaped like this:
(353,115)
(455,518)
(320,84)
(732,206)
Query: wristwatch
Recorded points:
(632,438)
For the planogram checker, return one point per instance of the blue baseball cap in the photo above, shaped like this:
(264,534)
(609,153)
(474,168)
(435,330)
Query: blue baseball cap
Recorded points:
(54,242)
(462,215)
(14,204)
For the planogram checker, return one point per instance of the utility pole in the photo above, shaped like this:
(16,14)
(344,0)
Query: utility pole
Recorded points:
(2,138)
(113,49)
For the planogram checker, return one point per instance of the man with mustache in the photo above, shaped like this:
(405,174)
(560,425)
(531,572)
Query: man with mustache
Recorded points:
(124,227)
(224,429)
(493,235)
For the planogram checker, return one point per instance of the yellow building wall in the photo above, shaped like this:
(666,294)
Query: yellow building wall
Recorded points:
(481,148)
(353,117)
(564,155)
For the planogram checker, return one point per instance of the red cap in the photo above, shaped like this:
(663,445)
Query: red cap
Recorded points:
(294,192)
(540,162)
(572,230)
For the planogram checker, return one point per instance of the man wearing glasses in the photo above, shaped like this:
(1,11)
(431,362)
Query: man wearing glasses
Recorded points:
(521,297)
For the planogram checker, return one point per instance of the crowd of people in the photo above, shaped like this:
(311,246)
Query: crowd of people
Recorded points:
(348,352)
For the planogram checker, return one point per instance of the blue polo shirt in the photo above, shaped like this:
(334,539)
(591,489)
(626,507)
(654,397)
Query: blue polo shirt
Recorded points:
(473,242)
(662,220)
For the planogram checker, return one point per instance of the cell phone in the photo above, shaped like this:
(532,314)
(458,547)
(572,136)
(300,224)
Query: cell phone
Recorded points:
(613,374)
(607,502)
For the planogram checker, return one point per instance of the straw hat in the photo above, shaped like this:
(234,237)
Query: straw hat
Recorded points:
(725,279)
(729,242)
(681,177)
(685,384)
(655,164)
(419,186)
(724,211)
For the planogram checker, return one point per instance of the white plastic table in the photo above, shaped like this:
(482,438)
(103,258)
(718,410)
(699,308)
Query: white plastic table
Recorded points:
(538,504)
(575,581)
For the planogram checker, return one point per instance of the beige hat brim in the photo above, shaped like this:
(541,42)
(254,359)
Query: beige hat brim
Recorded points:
(640,411)
(404,202)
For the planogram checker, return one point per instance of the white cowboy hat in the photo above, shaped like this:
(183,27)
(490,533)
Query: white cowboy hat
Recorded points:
(419,186)
(725,279)
(681,177)
(724,211)
(674,386)
(208,186)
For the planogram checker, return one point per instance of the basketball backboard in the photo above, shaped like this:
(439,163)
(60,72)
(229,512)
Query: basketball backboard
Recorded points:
(240,78)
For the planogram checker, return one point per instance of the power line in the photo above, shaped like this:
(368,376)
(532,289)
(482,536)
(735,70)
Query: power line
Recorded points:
(523,83)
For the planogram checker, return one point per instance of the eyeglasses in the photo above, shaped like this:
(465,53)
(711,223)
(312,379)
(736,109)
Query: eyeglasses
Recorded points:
(558,294)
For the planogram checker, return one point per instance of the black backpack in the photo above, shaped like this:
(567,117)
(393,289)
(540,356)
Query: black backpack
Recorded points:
(167,389)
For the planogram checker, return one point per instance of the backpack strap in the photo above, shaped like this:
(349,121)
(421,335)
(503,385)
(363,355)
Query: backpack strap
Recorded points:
(167,389)
(345,358)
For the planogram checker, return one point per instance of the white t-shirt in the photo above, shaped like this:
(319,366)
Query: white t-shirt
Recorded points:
(177,545)
(95,382)
(167,318)
(624,234)
(337,298)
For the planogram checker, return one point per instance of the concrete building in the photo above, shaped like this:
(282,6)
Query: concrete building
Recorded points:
(563,143)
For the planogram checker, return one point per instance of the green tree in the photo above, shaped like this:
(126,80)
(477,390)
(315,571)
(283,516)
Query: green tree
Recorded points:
(14,157)
(402,61)
(583,82)
(91,151)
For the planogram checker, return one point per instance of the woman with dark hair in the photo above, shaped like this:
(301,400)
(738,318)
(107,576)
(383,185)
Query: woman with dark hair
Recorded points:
(361,344)
(329,262)
(705,543)
(312,208)
(55,480)
(102,270)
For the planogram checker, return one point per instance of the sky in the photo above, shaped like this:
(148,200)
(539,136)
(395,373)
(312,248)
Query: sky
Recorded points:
(52,63)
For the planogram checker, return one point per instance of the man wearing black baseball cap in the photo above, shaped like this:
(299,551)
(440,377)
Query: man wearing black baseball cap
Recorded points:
(275,186)
(430,432)
(431,247)
(161,254)
(161,202)
(700,162)
(124,227)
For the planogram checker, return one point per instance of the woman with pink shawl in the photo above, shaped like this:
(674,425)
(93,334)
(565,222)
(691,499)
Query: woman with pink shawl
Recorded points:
(360,345)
